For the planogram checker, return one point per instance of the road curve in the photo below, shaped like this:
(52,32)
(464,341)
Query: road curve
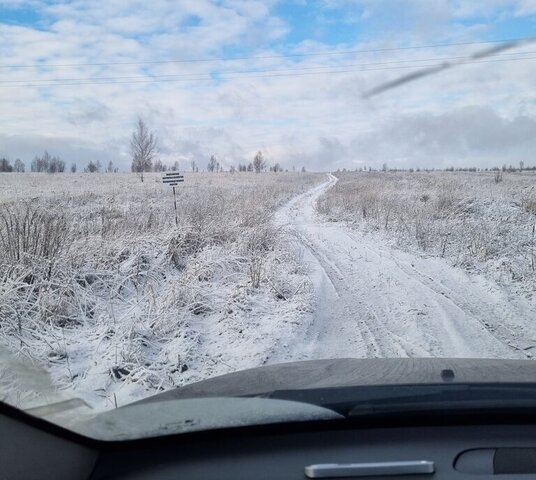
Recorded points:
(375,301)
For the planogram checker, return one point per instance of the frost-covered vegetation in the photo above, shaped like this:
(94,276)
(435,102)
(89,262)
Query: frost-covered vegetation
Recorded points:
(479,221)
(99,286)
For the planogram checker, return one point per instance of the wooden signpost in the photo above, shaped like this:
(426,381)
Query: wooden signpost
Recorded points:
(173,179)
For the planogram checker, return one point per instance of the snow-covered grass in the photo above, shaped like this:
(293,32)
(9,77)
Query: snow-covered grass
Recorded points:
(99,287)
(474,221)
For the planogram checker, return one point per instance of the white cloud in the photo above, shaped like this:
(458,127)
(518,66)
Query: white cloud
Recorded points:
(318,120)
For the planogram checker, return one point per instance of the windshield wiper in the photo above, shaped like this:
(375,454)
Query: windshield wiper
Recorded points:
(380,400)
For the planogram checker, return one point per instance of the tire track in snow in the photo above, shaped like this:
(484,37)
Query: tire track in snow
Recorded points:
(371,300)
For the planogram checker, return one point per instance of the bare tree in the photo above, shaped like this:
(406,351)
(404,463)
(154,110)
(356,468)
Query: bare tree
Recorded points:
(258,162)
(110,168)
(93,167)
(19,166)
(5,166)
(158,166)
(143,146)
(193,165)
(47,163)
(212,164)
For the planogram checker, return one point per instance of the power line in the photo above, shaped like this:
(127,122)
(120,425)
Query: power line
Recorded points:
(212,78)
(263,57)
(53,81)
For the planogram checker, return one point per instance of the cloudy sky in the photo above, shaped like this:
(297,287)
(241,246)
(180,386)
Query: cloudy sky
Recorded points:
(230,77)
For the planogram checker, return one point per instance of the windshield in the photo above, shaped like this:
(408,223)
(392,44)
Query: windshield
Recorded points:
(195,189)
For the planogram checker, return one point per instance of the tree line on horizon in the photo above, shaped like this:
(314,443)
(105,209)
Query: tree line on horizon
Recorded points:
(144,151)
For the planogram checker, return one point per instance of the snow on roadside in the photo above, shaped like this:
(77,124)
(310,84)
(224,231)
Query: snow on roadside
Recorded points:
(442,249)
(130,305)
(477,224)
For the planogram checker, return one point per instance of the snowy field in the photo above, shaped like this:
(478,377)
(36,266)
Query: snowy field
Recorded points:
(100,288)
(477,223)
(437,264)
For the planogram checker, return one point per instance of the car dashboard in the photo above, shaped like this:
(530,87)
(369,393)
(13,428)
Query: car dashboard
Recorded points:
(440,448)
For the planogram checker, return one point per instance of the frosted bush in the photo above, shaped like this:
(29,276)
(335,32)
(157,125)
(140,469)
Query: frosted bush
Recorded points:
(99,286)
(467,217)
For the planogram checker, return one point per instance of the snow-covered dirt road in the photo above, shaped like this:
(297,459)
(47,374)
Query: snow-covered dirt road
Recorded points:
(376,301)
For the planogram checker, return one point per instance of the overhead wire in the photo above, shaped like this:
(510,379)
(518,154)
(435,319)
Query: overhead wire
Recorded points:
(270,70)
(222,76)
(261,57)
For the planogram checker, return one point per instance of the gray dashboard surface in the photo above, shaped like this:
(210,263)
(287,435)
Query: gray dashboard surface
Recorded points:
(285,456)
(27,452)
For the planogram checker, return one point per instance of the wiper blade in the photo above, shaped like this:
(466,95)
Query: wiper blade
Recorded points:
(372,400)
(445,66)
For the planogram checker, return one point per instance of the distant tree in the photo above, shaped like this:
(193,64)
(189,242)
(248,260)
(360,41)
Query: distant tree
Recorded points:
(259,164)
(232,169)
(93,167)
(73,167)
(175,166)
(110,168)
(158,166)
(276,168)
(60,165)
(39,164)
(5,166)
(193,165)
(48,164)
(303,169)
(56,165)
(143,146)
(19,166)
(521,165)
(212,164)
(250,167)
